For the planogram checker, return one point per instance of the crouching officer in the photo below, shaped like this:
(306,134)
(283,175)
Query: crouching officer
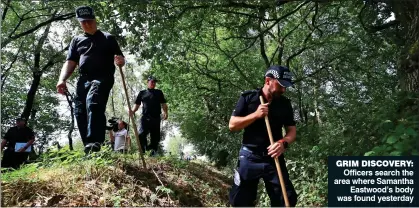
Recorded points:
(256,157)
(18,140)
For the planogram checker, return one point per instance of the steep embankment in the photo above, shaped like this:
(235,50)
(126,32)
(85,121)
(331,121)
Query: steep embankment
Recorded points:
(73,180)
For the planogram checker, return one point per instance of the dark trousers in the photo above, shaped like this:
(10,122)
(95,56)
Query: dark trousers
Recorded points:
(12,159)
(90,106)
(152,126)
(250,168)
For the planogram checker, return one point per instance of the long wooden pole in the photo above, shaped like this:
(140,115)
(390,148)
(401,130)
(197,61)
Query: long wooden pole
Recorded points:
(132,118)
(278,167)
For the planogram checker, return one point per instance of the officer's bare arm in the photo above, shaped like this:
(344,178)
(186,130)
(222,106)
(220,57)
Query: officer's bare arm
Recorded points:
(135,108)
(238,123)
(67,70)
(291,134)
(3,143)
(164,105)
(29,143)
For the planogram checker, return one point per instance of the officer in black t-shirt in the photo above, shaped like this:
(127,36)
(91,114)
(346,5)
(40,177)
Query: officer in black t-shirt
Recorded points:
(18,134)
(152,100)
(256,158)
(95,52)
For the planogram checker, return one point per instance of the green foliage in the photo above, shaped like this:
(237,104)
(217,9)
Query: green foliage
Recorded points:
(163,189)
(66,157)
(400,138)
(22,173)
(176,145)
(175,161)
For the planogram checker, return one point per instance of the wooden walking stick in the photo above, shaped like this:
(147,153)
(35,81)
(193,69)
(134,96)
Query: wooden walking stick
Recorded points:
(126,136)
(134,126)
(278,167)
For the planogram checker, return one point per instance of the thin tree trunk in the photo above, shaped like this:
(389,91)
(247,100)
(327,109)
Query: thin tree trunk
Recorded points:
(316,111)
(30,98)
(36,73)
(300,104)
(6,7)
(315,104)
(32,154)
(262,38)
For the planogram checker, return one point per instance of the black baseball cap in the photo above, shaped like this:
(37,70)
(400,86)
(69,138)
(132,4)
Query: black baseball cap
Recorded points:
(281,73)
(20,119)
(152,78)
(85,13)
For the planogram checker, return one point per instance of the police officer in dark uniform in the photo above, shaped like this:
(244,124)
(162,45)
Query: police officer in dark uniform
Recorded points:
(256,157)
(152,100)
(18,134)
(95,52)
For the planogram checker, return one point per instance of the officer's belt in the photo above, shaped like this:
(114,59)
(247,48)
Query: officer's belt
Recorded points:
(255,151)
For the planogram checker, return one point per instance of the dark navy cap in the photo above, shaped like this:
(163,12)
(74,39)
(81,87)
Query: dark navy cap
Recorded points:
(20,119)
(281,73)
(152,78)
(85,13)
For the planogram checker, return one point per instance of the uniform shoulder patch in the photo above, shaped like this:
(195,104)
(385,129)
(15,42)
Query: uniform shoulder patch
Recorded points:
(106,33)
(78,37)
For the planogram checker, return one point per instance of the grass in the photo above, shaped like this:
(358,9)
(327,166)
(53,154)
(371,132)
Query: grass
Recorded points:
(109,179)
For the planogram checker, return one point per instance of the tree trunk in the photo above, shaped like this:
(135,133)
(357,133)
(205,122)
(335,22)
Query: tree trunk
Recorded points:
(32,154)
(301,105)
(315,104)
(37,73)
(407,12)
(5,8)
(32,118)
(31,95)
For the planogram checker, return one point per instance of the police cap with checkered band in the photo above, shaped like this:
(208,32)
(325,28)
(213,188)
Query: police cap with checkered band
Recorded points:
(281,73)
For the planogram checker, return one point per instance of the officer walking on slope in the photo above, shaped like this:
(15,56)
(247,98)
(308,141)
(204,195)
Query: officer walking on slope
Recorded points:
(152,100)
(96,53)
